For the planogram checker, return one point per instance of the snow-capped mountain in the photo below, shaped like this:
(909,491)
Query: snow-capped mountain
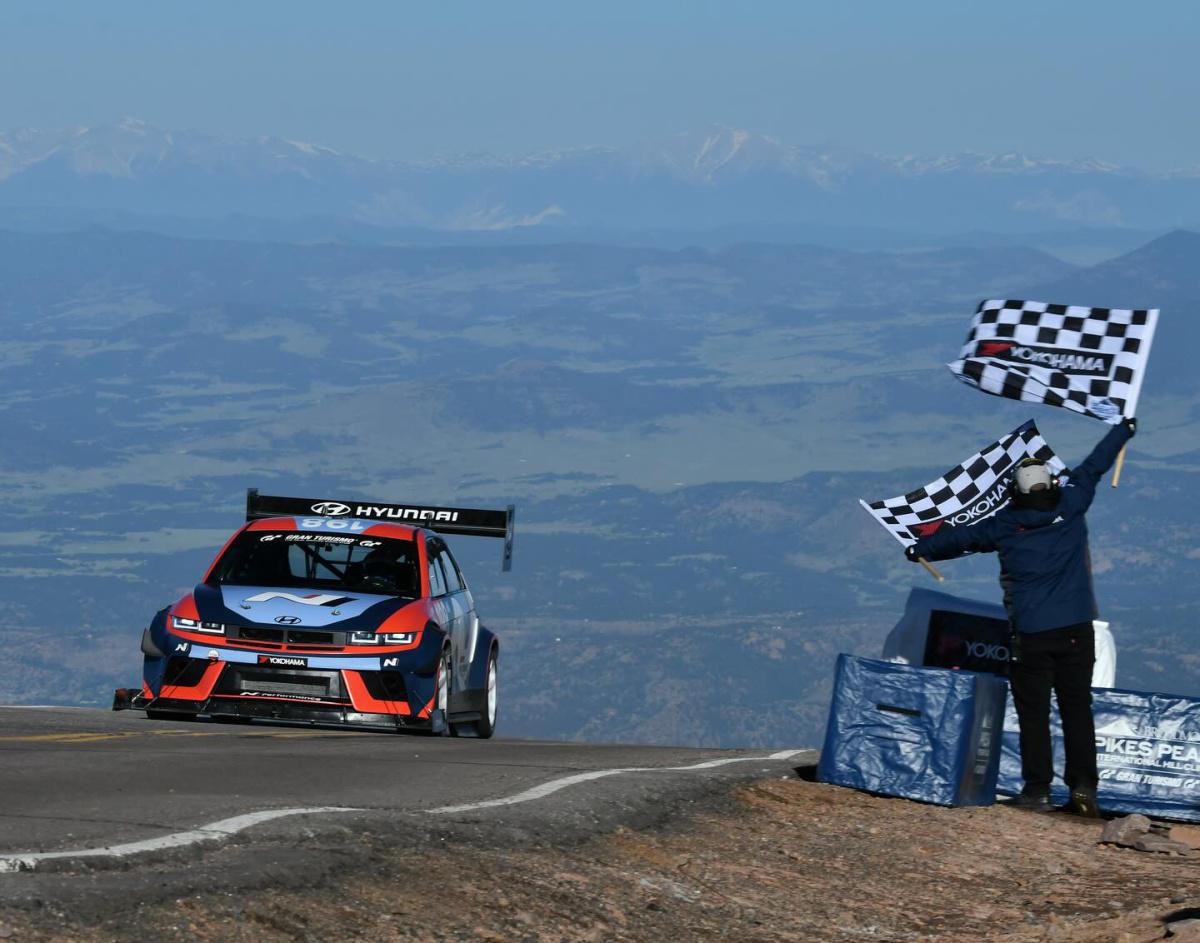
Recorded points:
(132,148)
(699,179)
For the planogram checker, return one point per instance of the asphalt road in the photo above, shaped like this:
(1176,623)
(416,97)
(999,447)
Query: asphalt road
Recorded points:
(80,779)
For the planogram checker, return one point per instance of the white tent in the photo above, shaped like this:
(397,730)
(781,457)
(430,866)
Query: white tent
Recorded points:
(970,633)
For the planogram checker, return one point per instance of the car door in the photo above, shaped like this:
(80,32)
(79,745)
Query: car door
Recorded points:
(464,609)
(450,607)
(443,608)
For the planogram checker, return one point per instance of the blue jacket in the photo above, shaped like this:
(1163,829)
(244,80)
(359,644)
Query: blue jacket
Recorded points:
(1045,563)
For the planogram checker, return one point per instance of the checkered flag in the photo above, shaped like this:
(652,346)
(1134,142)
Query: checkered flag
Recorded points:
(970,491)
(1090,360)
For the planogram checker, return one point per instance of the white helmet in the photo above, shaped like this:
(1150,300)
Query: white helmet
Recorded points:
(1033,487)
(1033,475)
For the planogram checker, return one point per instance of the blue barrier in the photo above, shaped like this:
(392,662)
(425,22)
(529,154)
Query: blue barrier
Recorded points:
(931,734)
(1147,752)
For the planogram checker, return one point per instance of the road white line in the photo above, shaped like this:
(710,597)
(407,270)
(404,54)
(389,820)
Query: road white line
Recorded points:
(216,831)
(28,861)
(44,707)
(546,789)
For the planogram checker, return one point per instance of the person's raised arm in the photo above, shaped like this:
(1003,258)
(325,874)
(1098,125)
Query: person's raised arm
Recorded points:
(1083,478)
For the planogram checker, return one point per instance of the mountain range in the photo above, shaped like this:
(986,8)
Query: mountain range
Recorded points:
(702,180)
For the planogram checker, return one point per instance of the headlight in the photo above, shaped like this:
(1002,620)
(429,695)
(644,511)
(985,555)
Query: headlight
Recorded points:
(387,638)
(195,625)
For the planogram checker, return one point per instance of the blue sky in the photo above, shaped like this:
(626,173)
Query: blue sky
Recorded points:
(409,80)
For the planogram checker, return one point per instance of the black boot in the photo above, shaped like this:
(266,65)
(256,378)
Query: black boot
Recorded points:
(1032,802)
(1083,803)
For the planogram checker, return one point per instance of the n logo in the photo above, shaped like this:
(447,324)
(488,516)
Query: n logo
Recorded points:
(313,599)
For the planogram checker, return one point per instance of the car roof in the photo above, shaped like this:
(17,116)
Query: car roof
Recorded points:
(377,528)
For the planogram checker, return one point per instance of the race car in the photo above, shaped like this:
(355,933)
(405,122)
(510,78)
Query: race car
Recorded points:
(331,612)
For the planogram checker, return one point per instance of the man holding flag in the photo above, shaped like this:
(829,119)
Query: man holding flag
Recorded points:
(1045,569)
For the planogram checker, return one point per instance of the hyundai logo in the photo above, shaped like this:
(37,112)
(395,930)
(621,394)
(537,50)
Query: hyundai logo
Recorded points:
(287,620)
(330,509)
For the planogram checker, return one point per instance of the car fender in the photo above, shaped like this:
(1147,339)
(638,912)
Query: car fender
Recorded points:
(150,649)
(486,644)
(427,655)
(155,643)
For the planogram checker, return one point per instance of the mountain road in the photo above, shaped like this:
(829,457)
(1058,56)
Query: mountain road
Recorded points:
(81,783)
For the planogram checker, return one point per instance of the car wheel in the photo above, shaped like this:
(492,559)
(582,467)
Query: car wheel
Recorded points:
(485,726)
(441,692)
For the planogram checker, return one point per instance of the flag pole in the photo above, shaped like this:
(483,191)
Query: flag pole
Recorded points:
(1116,479)
(1132,399)
(932,569)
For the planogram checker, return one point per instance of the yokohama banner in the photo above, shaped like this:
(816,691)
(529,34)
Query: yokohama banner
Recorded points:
(1089,360)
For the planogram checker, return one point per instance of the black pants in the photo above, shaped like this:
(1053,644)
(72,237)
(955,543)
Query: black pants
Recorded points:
(1060,659)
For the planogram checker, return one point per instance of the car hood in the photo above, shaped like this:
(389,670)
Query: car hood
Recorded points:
(280,605)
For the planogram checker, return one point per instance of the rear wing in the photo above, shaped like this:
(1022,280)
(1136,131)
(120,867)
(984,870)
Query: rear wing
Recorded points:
(472,522)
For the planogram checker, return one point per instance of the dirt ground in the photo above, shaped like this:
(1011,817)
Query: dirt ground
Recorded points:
(774,860)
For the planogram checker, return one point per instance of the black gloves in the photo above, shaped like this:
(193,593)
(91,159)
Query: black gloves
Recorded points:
(910,553)
(1130,424)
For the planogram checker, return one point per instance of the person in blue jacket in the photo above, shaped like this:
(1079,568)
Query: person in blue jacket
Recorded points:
(1046,573)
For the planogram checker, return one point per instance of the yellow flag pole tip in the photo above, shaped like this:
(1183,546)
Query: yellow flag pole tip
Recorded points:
(932,569)
(1116,478)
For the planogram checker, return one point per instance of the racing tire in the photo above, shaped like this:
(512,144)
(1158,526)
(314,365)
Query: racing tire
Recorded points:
(441,695)
(485,726)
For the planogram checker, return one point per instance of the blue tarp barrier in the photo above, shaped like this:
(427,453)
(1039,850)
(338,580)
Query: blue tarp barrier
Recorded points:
(1147,751)
(930,734)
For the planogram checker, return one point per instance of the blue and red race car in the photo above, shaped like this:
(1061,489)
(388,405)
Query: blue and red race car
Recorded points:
(331,612)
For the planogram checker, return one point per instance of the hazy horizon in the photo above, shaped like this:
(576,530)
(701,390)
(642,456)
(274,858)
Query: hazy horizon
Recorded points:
(128,120)
(398,82)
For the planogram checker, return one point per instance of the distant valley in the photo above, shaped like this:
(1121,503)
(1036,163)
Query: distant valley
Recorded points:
(685,431)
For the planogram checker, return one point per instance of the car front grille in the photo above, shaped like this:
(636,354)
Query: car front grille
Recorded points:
(300,638)
(256,633)
(244,680)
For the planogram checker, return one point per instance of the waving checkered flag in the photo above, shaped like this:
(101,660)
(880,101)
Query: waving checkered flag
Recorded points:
(1090,360)
(970,491)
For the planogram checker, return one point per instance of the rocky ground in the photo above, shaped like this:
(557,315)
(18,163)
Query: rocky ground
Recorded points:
(780,859)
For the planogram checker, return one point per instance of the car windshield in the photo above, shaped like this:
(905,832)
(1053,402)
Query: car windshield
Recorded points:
(320,561)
